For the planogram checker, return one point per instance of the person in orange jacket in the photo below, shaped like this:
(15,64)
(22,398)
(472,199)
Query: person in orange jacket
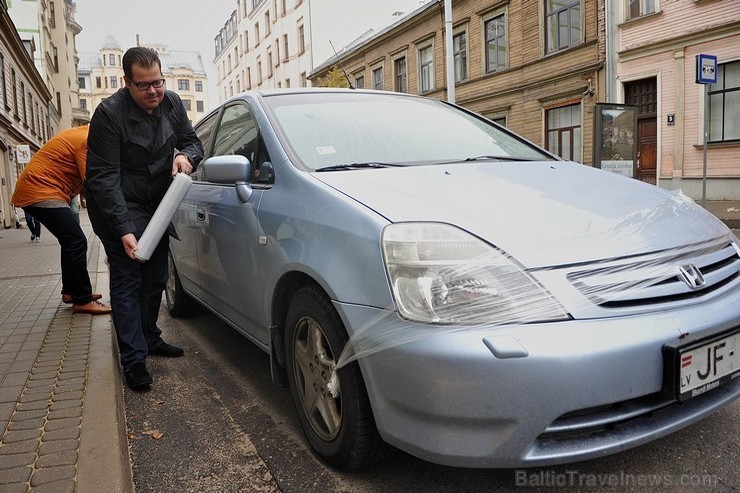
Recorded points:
(44,190)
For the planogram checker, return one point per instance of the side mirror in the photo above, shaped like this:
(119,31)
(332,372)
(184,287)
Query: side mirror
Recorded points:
(230,169)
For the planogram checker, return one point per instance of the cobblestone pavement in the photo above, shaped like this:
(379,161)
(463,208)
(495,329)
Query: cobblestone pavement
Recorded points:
(47,369)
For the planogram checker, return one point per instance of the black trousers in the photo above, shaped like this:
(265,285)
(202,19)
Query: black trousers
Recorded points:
(60,221)
(136,295)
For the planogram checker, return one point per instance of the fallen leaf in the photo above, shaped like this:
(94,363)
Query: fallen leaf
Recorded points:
(156,434)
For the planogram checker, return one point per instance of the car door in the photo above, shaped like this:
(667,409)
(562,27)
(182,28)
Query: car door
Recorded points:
(229,232)
(184,247)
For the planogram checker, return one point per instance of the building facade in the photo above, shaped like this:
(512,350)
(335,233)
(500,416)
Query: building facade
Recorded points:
(101,75)
(531,66)
(276,43)
(50,28)
(26,111)
(656,49)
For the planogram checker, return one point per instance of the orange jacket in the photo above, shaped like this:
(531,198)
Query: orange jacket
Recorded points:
(56,171)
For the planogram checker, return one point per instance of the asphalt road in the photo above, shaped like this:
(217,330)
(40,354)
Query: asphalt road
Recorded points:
(214,422)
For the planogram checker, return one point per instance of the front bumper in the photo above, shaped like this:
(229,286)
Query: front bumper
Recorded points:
(495,397)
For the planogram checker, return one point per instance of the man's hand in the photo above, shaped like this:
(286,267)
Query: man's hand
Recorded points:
(181,164)
(130,245)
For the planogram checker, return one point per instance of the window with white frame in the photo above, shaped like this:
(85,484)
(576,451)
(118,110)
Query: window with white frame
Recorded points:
(426,68)
(378,79)
(496,45)
(562,24)
(638,8)
(401,78)
(724,104)
(460,55)
(301,39)
(563,131)
(360,80)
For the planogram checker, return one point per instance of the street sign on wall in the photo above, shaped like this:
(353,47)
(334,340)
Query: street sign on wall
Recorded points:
(706,69)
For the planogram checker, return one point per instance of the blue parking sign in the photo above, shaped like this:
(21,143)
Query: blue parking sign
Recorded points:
(706,69)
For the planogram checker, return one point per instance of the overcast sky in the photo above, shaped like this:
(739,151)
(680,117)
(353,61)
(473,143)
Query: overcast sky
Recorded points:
(191,25)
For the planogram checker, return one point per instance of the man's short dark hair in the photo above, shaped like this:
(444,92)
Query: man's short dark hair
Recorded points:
(141,56)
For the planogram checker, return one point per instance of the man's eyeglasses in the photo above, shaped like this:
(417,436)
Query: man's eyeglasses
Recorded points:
(144,86)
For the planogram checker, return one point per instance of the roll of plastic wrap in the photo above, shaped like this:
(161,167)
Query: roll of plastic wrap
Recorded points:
(162,216)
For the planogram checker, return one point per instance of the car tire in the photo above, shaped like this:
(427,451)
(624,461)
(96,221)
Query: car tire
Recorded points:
(178,302)
(332,405)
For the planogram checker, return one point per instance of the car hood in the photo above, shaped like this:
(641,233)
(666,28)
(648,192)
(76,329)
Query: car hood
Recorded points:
(542,213)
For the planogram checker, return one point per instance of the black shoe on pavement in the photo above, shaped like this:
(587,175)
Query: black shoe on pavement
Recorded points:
(167,350)
(138,378)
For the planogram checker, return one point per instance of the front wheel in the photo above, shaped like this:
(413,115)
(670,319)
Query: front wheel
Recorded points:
(333,407)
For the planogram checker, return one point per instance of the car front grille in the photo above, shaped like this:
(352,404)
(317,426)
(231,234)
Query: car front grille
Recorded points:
(659,278)
(625,424)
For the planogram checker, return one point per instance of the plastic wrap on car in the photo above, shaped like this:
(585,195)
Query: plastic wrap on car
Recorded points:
(644,279)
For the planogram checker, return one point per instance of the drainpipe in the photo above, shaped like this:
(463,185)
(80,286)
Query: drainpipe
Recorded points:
(449,53)
(609,62)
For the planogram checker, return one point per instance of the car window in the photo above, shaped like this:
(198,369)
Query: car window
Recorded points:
(237,133)
(204,131)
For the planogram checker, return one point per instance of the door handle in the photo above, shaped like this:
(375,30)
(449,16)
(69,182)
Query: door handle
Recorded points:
(200,214)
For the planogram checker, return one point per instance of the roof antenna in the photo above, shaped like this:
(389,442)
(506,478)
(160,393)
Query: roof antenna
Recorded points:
(341,66)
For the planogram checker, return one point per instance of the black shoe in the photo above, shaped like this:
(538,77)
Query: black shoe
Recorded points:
(167,350)
(138,377)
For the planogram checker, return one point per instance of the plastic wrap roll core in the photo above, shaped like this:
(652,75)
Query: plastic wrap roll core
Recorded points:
(162,216)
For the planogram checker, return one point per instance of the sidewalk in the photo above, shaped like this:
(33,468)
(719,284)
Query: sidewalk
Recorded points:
(728,211)
(61,396)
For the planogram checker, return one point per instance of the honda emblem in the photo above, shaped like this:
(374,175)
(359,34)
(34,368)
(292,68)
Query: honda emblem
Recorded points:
(691,275)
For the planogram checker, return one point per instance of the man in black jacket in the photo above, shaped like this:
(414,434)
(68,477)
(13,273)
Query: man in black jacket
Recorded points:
(131,160)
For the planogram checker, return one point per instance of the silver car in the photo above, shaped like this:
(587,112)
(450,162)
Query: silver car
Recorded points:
(424,279)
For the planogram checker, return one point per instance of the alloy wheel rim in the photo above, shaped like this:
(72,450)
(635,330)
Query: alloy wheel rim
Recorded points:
(316,379)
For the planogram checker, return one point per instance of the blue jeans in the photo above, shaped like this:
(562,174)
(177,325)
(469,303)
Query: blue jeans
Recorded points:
(136,294)
(61,222)
(33,225)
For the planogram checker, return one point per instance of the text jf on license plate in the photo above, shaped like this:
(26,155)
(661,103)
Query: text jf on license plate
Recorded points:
(706,366)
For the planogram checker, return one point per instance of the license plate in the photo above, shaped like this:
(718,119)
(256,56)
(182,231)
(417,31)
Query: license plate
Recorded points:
(706,365)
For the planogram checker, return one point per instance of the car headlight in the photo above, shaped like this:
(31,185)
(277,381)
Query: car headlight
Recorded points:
(442,274)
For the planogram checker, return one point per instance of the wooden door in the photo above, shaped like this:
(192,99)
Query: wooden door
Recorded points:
(643,94)
(647,150)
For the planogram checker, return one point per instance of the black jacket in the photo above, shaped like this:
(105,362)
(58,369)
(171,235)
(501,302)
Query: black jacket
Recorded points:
(129,161)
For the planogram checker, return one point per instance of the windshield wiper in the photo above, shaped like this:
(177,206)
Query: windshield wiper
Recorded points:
(347,166)
(497,158)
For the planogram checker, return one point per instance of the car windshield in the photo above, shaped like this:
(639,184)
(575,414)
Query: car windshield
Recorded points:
(342,131)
